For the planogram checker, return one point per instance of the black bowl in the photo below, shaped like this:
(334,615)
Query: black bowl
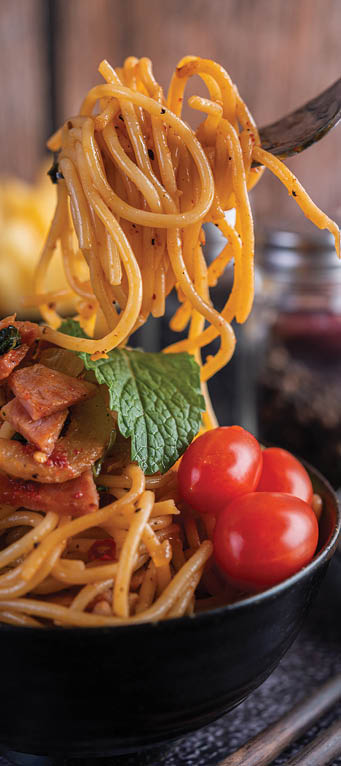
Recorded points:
(104,691)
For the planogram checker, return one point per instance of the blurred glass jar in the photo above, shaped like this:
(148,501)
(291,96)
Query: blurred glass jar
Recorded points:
(290,360)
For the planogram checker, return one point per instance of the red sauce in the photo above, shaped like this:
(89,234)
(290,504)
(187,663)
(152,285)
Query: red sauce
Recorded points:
(58,458)
(102,550)
(20,485)
(29,449)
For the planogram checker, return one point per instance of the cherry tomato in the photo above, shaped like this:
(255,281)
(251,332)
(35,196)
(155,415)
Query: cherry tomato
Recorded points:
(264,537)
(218,466)
(282,472)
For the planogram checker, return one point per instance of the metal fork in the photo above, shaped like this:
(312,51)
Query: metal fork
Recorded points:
(306,125)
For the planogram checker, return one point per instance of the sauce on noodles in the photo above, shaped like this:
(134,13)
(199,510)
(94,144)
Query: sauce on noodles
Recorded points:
(135,184)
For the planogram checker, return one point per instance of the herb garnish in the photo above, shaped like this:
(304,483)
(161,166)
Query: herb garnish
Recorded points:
(70,326)
(158,402)
(9,338)
(157,398)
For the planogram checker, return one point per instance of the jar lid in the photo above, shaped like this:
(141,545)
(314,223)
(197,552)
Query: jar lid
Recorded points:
(298,252)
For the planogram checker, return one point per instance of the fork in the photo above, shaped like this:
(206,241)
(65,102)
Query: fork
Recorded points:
(306,125)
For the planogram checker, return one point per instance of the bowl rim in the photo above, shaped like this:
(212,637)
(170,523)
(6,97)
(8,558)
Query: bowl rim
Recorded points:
(253,600)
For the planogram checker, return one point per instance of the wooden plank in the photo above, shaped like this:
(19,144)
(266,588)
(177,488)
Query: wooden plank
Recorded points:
(23,93)
(279,53)
(87,32)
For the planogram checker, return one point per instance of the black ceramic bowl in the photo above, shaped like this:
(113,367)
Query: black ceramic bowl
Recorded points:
(104,691)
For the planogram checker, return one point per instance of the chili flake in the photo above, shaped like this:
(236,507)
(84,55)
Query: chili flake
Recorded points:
(102,550)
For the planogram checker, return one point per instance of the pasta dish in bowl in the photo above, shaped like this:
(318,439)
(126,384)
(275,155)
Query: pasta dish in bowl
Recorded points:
(100,527)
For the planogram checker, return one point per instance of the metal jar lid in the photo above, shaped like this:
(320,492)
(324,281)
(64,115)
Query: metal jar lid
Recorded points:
(302,254)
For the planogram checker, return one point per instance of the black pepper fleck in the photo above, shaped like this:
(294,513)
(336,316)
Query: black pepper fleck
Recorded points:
(54,172)
(163,111)
(151,154)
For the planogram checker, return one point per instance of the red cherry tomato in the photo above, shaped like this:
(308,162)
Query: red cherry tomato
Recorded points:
(282,472)
(264,537)
(218,466)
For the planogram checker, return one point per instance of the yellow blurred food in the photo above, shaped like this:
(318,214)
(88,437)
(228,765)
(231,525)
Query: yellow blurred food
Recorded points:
(26,211)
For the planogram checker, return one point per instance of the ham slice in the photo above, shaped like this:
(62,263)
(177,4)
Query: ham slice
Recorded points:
(76,497)
(85,442)
(29,333)
(43,432)
(11,359)
(43,391)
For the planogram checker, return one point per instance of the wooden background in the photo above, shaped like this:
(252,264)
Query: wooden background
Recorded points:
(279,52)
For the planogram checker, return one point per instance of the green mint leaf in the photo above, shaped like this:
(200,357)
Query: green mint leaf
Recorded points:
(70,326)
(158,401)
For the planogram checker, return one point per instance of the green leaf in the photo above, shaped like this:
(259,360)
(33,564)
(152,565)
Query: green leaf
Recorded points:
(9,338)
(70,326)
(97,466)
(158,401)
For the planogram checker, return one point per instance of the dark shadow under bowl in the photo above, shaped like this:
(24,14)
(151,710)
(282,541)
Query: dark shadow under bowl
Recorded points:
(103,691)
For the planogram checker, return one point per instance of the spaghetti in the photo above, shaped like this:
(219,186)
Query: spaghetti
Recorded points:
(135,186)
